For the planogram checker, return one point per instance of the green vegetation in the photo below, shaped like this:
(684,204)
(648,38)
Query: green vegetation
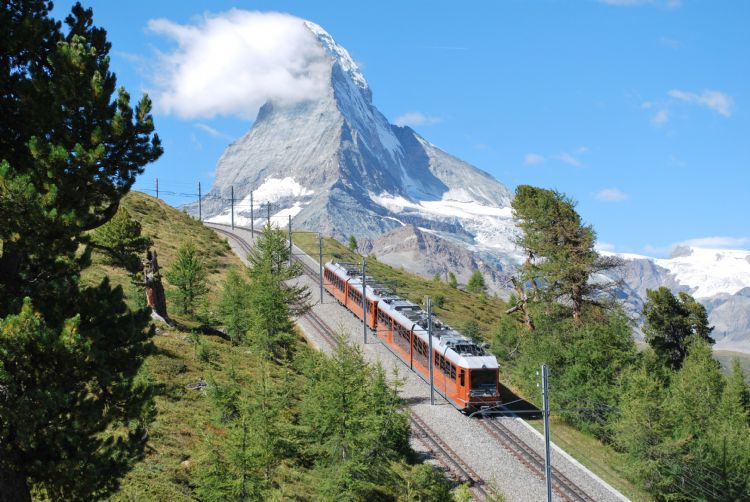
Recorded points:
(188,276)
(452,281)
(74,411)
(352,245)
(476,283)
(673,323)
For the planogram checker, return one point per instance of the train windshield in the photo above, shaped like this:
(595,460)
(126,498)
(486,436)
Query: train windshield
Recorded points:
(483,378)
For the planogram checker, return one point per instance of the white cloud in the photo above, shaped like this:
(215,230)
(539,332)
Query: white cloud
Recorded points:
(416,119)
(233,62)
(568,159)
(212,132)
(533,158)
(661,117)
(611,195)
(715,100)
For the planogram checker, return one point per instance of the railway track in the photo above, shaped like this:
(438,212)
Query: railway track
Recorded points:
(561,484)
(443,454)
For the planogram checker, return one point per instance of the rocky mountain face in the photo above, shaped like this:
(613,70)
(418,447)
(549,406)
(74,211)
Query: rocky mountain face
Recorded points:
(337,166)
(718,278)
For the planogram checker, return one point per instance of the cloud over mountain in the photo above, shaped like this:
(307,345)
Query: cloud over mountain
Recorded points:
(231,63)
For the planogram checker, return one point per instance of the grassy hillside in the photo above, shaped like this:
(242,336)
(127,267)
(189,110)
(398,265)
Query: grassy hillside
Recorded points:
(182,414)
(188,429)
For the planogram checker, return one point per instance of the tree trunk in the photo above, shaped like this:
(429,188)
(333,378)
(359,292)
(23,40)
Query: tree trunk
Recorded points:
(155,297)
(13,485)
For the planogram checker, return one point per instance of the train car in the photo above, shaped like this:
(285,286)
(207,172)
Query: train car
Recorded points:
(463,372)
(344,282)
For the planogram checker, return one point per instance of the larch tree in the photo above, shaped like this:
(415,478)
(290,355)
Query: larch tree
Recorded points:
(189,277)
(72,413)
(559,249)
(476,283)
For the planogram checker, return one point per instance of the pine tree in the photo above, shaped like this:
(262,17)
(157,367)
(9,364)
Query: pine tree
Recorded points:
(234,306)
(272,299)
(673,323)
(352,245)
(452,281)
(120,240)
(188,275)
(559,248)
(476,283)
(70,149)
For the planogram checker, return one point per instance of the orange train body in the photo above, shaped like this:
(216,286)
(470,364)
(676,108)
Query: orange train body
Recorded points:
(463,372)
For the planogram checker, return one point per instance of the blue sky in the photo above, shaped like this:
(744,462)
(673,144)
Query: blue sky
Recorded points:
(637,109)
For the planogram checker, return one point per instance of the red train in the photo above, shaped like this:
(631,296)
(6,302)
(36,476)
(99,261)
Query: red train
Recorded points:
(464,373)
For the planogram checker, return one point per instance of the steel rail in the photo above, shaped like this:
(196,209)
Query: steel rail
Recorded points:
(561,484)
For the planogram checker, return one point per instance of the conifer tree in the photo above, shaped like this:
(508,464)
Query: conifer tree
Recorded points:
(452,281)
(70,149)
(272,298)
(121,241)
(673,323)
(559,248)
(476,283)
(234,306)
(352,244)
(189,276)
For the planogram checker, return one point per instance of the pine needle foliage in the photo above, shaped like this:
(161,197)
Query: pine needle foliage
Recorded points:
(188,275)
(72,412)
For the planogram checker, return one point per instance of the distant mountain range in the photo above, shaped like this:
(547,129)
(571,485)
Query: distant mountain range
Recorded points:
(337,166)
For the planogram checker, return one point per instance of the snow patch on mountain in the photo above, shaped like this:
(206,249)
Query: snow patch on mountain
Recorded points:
(274,189)
(706,272)
(491,226)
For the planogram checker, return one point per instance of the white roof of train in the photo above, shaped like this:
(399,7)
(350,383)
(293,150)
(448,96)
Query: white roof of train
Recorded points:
(456,347)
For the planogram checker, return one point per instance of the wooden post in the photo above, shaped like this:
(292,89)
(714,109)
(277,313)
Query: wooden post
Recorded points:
(320,260)
(430,361)
(200,207)
(290,240)
(232,207)
(364,301)
(252,215)
(157,188)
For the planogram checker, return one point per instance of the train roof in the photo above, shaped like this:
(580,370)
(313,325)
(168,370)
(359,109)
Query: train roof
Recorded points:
(455,346)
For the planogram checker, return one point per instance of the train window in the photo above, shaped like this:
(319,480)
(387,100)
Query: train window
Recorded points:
(462,378)
(453,372)
(483,378)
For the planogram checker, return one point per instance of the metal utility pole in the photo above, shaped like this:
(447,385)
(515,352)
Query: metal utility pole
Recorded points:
(290,240)
(157,188)
(547,459)
(320,260)
(200,204)
(364,301)
(232,207)
(429,338)
(252,215)
(268,213)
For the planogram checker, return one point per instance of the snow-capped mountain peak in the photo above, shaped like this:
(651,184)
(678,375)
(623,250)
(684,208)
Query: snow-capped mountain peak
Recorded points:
(341,55)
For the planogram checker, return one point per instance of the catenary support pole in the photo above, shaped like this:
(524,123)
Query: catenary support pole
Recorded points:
(430,362)
(200,203)
(232,207)
(252,215)
(364,300)
(290,240)
(547,459)
(157,188)
(268,213)
(320,260)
